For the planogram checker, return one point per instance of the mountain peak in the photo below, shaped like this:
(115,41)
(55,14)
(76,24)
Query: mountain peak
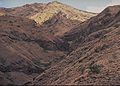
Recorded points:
(113,10)
(55,2)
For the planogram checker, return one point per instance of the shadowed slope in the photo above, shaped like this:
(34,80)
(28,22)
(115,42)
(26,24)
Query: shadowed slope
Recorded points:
(26,50)
(103,20)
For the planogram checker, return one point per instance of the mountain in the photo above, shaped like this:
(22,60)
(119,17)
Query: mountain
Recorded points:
(58,18)
(50,13)
(14,64)
(103,20)
(41,12)
(26,50)
(2,12)
(55,44)
(59,24)
(95,60)
(24,11)
(55,7)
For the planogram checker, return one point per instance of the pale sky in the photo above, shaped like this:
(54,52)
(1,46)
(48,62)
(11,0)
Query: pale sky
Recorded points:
(87,5)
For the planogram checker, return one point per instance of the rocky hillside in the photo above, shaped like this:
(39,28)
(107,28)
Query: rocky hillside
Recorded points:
(55,7)
(107,18)
(55,44)
(26,50)
(59,24)
(58,18)
(95,61)
(24,11)
(51,17)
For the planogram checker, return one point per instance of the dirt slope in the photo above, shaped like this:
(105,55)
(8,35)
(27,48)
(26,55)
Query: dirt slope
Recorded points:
(103,20)
(55,44)
(96,60)
(26,50)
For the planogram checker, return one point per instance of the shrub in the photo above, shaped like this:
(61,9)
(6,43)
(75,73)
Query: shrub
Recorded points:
(118,33)
(94,69)
(81,69)
(117,25)
(10,21)
(18,25)
(100,48)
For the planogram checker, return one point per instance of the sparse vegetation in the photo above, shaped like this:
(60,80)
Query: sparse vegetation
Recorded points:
(63,47)
(18,25)
(111,61)
(81,68)
(117,25)
(10,21)
(101,48)
(2,60)
(118,33)
(95,68)
(103,37)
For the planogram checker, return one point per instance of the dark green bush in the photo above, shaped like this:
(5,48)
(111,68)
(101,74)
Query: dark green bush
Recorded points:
(94,69)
